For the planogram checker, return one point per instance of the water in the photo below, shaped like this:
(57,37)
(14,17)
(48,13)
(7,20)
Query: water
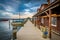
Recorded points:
(5,30)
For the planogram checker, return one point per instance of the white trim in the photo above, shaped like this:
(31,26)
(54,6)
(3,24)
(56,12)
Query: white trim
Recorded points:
(53,25)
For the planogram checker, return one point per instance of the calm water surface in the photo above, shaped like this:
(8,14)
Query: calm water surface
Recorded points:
(5,30)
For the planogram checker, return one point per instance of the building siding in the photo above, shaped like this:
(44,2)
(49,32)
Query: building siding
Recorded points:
(58,24)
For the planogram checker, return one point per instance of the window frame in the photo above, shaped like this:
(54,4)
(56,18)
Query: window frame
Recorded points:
(55,21)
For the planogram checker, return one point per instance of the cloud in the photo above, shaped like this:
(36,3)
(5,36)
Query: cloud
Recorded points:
(9,8)
(28,5)
(24,1)
(5,14)
(27,10)
(30,8)
(16,1)
(33,3)
(10,5)
(15,16)
(28,1)
(34,9)
(27,14)
(2,7)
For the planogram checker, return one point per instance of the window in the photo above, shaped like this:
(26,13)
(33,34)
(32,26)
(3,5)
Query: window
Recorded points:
(42,20)
(54,21)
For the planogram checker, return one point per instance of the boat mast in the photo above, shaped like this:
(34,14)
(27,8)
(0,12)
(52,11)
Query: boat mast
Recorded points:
(19,15)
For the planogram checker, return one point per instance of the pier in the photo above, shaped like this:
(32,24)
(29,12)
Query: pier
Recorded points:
(29,19)
(30,32)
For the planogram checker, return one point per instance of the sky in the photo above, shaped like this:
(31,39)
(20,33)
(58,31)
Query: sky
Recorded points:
(26,8)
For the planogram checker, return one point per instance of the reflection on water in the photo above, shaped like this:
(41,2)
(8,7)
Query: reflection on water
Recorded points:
(5,30)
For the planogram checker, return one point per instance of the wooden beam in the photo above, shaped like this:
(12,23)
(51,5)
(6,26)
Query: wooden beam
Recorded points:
(54,15)
(50,8)
(47,14)
(49,23)
(44,16)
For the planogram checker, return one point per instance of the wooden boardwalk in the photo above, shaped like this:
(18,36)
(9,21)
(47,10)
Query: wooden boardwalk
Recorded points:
(29,32)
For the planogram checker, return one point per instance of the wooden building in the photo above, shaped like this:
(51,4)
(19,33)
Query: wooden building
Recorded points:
(49,15)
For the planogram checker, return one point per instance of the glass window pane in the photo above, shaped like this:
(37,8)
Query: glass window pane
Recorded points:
(54,20)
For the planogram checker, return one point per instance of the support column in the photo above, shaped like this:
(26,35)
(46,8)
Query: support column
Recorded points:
(49,23)
(49,19)
(35,21)
(39,22)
